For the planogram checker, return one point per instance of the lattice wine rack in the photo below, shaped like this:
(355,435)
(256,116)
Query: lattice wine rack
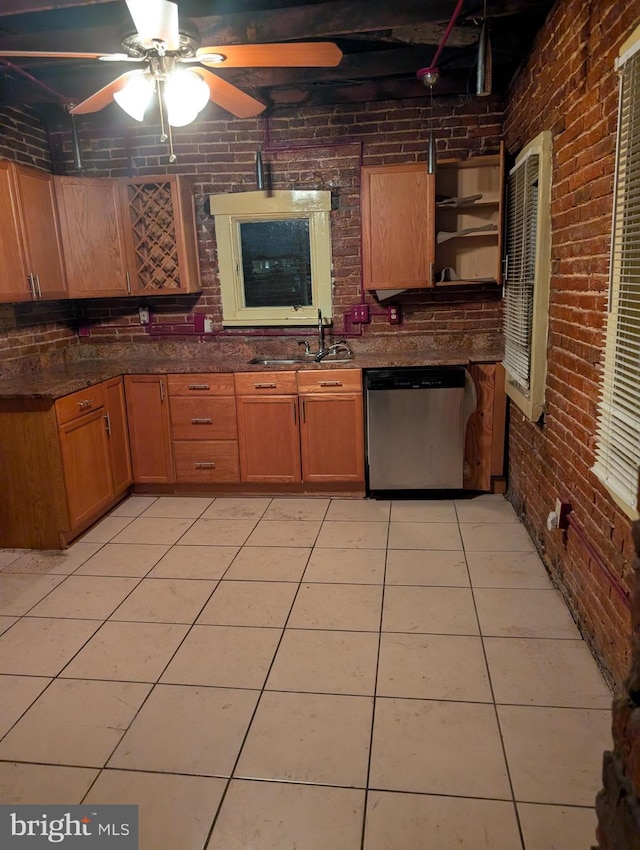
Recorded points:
(164,249)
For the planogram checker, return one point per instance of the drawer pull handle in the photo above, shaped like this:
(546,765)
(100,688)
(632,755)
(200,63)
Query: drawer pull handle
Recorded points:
(202,421)
(265,386)
(198,386)
(86,403)
(330,383)
(205,465)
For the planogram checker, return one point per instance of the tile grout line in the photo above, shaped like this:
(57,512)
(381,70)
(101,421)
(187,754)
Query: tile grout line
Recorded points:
(231,776)
(375,690)
(493,697)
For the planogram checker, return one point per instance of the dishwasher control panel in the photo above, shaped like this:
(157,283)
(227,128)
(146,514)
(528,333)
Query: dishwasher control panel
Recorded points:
(415,378)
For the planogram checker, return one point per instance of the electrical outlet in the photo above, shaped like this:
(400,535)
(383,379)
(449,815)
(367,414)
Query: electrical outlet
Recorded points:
(359,314)
(144,315)
(393,315)
(563,509)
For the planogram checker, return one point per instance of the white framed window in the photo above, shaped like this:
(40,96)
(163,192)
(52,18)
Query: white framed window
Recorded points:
(617,462)
(528,272)
(274,255)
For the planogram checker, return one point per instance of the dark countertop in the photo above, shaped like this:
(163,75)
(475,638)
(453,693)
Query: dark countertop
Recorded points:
(56,382)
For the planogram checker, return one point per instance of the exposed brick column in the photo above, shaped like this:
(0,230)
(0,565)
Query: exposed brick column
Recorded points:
(618,804)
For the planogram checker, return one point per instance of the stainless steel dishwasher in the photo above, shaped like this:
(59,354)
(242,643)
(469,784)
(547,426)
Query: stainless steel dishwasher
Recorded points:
(415,428)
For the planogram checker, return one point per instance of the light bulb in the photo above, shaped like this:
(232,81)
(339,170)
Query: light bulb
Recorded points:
(185,94)
(136,94)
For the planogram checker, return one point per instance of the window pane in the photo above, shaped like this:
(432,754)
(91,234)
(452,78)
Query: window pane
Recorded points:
(276,263)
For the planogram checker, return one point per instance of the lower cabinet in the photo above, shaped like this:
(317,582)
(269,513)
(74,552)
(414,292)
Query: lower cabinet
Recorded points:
(268,431)
(331,426)
(304,427)
(118,435)
(61,465)
(87,467)
(203,428)
(485,439)
(149,429)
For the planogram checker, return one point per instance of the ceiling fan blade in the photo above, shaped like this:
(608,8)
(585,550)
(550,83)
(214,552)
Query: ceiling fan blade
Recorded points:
(50,54)
(103,97)
(229,97)
(309,54)
(156,19)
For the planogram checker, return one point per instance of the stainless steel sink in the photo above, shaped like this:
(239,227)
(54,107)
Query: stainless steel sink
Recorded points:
(290,361)
(277,361)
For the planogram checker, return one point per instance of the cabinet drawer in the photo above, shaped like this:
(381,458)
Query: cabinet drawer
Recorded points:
(328,381)
(265,383)
(203,384)
(72,406)
(203,418)
(206,460)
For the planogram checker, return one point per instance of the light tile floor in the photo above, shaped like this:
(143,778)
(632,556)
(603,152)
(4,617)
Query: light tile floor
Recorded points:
(303,673)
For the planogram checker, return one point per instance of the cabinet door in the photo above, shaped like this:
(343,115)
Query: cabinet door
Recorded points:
(14,284)
(41,231)
(332,437)
(149,430)
(87,468)
(398,238)
(161,232)
(268,438)
(93,237)
(118,435)
(484,444)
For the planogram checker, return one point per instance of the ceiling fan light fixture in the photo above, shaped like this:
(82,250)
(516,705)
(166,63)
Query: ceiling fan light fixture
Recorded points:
(185,95)
(136,95)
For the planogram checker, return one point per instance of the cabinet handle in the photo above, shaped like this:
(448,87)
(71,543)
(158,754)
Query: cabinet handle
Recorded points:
(32,286)
(330,383)
(202,421)
(87,402)
(161,390)
(265,386)
(304,410)
(107,423)
(128,283)
(38,285)
(205,465)
(198,386)
(294,406)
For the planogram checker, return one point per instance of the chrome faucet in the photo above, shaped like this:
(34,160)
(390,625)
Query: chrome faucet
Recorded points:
(324,351)
(320,334)
(334,348)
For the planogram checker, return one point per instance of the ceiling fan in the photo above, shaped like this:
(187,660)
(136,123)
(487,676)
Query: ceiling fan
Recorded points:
(163,45)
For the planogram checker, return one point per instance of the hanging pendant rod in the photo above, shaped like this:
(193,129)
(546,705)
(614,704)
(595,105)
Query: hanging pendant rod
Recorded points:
(430,74)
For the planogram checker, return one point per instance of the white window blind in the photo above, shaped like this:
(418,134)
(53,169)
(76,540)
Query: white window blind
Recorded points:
(522,224)
(526,293)
(618,434)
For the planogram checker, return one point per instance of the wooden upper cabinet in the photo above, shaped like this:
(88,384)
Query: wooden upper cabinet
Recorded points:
(160,229)
(398,233)
(32,267)
(14,284)
(468,220)
(93,238)
(41,232)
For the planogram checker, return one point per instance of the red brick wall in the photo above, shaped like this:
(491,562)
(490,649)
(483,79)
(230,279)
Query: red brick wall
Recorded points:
(319,148)
(23,138)
(570,86)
